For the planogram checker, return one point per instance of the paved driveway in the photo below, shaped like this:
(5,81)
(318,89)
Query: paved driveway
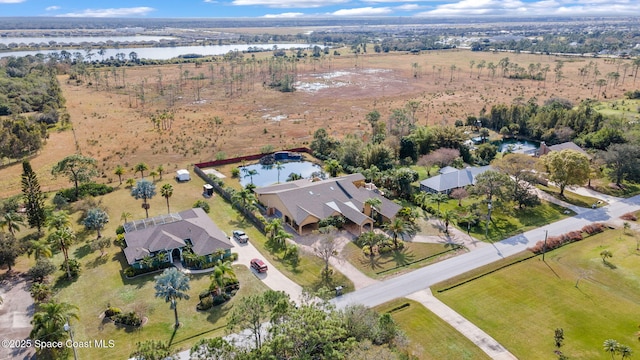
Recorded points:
(273,278)
(15,315)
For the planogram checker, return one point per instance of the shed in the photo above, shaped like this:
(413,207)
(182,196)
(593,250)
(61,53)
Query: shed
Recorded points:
(183,175)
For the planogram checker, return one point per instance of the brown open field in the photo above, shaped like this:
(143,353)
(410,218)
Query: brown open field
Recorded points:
(114,126)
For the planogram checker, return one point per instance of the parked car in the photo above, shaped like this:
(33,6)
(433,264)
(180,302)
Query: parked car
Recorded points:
(259,265)
(240,236)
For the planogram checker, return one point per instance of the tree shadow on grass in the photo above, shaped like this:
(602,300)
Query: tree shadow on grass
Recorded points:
(98,261)
(402,257)
(371,262)
(82,251)
(240,222)
(610,265)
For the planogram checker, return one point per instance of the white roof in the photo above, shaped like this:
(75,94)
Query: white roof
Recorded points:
(182,171)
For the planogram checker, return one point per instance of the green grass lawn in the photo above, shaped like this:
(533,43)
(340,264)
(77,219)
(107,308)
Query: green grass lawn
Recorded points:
(521,305)
(414,255)
(101,284)
(429,336)
(606,186)
(571,197)
(508,221)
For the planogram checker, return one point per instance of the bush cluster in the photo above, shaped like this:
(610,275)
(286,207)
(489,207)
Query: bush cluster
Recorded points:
(89,189)
(131,271)
(629,217)
(130,318)
(554,242)
(112,311)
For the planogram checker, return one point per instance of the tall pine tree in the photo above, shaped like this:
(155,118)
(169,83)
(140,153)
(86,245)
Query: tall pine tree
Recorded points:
(33,197)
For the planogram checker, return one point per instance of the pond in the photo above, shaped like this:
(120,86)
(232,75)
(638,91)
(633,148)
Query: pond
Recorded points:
(518,146)
(269,174)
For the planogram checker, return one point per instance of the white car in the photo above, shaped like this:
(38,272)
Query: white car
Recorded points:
(240,236)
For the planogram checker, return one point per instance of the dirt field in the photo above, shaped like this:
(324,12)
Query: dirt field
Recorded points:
(114,125)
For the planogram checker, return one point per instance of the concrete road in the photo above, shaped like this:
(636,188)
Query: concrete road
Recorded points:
(403,285)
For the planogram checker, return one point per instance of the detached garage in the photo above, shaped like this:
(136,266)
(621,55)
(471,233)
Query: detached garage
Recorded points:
(183,175)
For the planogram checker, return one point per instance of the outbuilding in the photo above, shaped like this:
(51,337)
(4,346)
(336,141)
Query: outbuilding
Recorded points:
(183,175)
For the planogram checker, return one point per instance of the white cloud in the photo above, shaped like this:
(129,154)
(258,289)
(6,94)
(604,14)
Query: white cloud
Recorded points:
(211,1)
(535,8)
(289,3)
(112,12)
(365,11)
(408,7)
(53,8)
(287,15)
(11,1)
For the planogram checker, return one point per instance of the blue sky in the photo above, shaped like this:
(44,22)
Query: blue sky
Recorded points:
(317,8)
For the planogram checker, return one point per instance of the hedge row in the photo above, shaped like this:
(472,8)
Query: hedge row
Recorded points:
(554,242)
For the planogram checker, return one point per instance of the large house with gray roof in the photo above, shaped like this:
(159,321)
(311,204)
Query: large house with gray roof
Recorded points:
(302,204)
(171,234)
(451,178)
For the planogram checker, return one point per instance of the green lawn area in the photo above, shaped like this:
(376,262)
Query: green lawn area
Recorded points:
(623,108)
(606,186)
(414,255)
(429,336)
(521,305)
(101,284)
(508,221)
(571,197)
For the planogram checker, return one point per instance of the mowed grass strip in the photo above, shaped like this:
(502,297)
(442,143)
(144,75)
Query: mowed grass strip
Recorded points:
(413,256)
(571,197)
(430,337)
(521,305)
(507,221)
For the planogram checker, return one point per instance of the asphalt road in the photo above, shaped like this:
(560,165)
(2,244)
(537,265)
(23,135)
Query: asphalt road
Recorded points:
(423,278)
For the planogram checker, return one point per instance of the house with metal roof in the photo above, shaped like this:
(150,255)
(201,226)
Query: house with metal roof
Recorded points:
(171,234)
(304,203)
(451,178)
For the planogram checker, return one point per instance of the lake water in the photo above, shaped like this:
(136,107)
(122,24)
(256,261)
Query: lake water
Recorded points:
(164,53)
(518,146)
(81,39)
(268,174)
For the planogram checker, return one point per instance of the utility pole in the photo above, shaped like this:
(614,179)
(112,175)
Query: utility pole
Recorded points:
(68,329)
(544,247)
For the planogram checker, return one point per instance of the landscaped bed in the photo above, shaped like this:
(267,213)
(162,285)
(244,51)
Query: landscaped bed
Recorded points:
(521,305)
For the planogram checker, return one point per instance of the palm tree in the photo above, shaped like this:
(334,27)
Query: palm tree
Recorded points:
(166,191)
(172,286)
(119,171)
(12,221)
(49,324)
(370,239)
(244,198)
(221,272)
(153,175)
(96,220)
(438,198)
(130,182)
(279,167)
(374,204)
(58,220)
(447,217)
(624,351)
(250,173)
(280,239)
(62,239)
(141,168)
(611,346)
(332,167)
(273,227)
(39,248)
(160,170)
(144,190)
(398,228)
(467,218)
(125,216)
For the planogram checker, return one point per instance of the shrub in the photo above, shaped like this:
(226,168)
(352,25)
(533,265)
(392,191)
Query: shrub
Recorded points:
(337,221)
(205,303)
(221,299)
(89,189)
(204,294)
(112,311)
(130,318)
(74,268)
(235,172)
(202,204)
(593,228)
(366,250)
(120,230)
(40,291)
(43,268)
(629,217)
(119,241)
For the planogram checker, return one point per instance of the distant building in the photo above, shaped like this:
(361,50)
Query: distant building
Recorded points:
(451,178)
(570,145)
